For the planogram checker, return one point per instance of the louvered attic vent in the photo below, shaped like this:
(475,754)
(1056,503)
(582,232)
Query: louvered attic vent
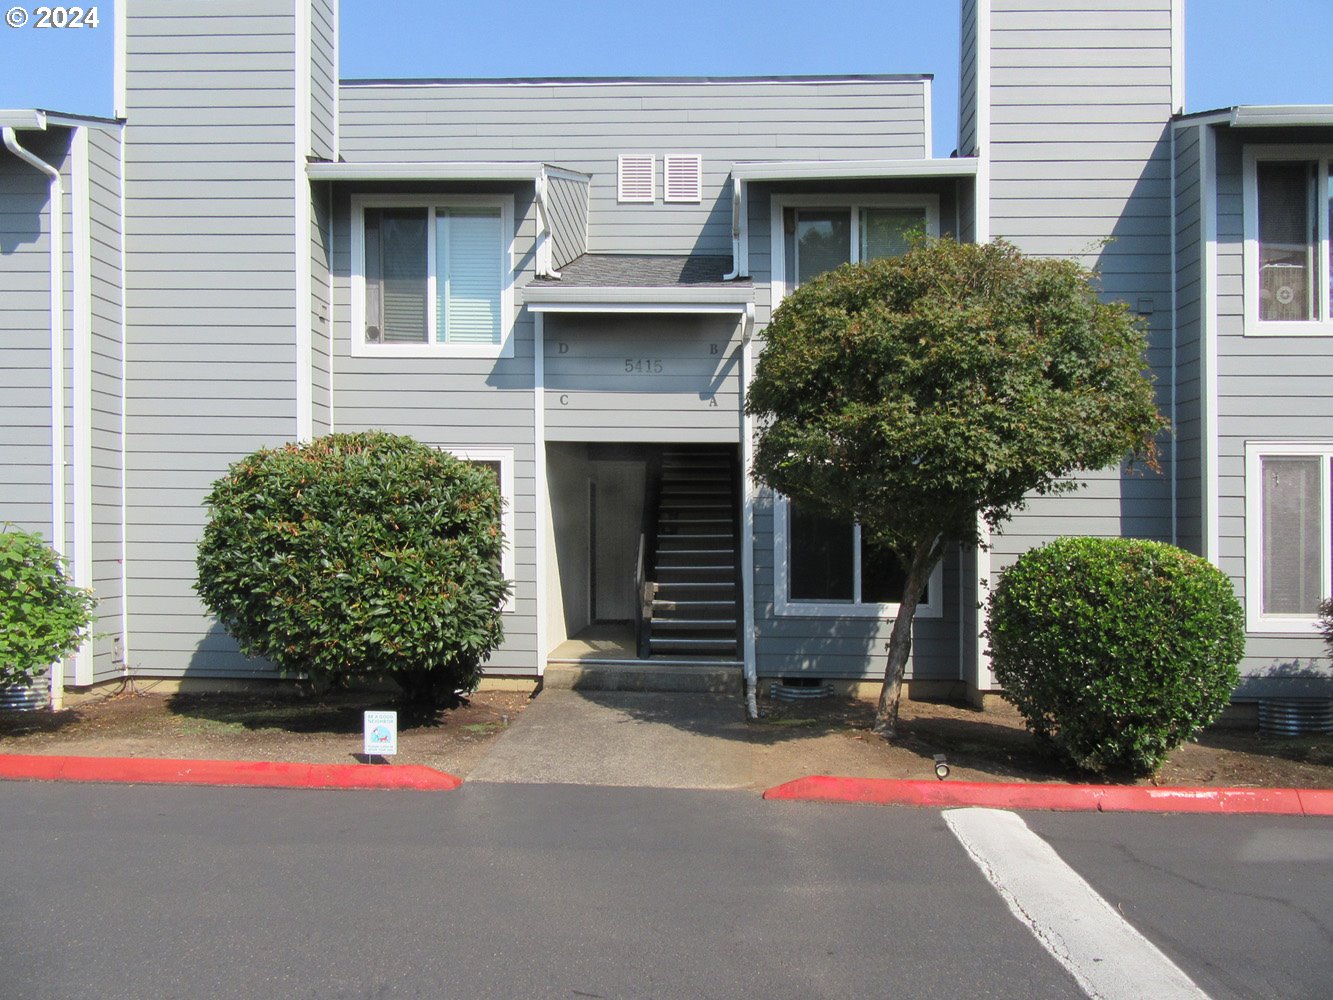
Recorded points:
(635,181)
(682,177)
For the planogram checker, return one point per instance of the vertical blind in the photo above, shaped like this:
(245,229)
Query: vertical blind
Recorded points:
(467,270)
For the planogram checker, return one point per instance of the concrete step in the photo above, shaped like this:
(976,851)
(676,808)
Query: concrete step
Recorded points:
(721,676)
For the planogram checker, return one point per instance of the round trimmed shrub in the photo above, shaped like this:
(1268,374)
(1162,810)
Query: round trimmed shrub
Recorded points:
(1115,651)
(358,556)
(42,615)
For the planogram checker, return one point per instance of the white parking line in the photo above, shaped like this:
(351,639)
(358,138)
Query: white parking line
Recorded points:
(1109,958)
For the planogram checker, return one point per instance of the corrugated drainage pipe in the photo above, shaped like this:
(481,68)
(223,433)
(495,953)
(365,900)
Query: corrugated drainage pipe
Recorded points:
(57,247)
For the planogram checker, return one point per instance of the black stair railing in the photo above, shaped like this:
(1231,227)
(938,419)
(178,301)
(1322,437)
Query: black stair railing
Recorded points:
(645,588)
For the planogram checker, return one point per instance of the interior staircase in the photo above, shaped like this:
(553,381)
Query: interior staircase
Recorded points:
(693,606)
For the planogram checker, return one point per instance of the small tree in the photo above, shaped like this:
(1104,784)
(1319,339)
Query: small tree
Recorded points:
(358,556)
(912,393)
(42,615)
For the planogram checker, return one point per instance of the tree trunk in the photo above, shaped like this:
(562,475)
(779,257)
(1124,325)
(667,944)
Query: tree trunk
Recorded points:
(900,640)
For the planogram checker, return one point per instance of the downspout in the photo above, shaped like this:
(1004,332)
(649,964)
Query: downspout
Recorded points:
(544,251)
(57,248)
(737,229)
(747,521)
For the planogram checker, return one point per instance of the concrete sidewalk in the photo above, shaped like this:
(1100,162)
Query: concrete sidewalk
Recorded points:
(657,740)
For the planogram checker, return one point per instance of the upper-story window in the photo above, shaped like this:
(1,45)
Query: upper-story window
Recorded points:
(1288,269)
(814,234)
(432,276)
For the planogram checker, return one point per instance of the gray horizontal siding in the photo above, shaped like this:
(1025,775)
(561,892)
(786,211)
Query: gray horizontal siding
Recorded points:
(209,178)
(685,385)
(1188,417)
(1081,167)
(968,98)
(458,403)
(323,78)
(25,348)
(107,473)
(585,126)
(1269,389)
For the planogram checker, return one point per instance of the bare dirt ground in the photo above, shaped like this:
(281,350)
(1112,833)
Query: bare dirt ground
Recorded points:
(994,746)
(327,730)
(827,736)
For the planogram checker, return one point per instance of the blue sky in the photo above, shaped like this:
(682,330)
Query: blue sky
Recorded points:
(1238,51)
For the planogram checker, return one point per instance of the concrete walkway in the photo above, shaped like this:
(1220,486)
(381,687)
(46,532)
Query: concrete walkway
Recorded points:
(641,739)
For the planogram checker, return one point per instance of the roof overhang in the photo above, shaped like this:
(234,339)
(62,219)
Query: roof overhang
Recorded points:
(26,118)
(519,171)
(826,170)
(1268,115)
(610,299)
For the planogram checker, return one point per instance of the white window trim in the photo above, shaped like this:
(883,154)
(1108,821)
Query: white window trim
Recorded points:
(1254,327)
(691,160)
(783,604)
(505,457)
(854,204)
(432,349)
(1255,451)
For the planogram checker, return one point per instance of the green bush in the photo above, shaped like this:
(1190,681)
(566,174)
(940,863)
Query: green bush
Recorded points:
(1115,651)
(42,615)
(1326,622)
(358,556)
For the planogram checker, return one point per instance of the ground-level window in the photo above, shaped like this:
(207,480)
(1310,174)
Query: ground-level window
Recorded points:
(1289,270)
(431,277)
(818,233)
(826,567)
(500,462)
(1288,511)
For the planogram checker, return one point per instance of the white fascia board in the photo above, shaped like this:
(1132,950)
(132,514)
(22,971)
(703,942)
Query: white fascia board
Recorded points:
(27,118)
(1267,115)
(612,299)
(452,171)
(820,170)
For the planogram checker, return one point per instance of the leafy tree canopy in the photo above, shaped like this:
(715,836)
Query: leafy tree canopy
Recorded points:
(914,392)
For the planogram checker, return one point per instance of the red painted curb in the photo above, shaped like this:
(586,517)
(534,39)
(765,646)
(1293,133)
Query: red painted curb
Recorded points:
(1101,798)
(255,774)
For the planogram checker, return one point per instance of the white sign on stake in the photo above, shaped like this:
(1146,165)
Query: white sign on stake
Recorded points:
(381,733)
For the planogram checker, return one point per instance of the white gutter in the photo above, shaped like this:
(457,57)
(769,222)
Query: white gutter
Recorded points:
(618,298)
(747,521)
(453,170)
(57,249)
(823,170)
(539,483)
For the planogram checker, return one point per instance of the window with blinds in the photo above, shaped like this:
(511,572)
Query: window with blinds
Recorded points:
(433,275)
(1288,534)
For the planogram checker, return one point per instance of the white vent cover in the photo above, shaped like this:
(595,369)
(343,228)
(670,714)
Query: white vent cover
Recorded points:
(635,178)
(682,177)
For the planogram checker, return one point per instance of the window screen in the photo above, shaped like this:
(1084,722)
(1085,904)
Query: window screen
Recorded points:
(396,296)
(468,249)
(884,230)
(1292,533)
(1288,240)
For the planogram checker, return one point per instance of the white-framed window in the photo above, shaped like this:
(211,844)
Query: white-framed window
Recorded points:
(432,276)
(500,461)
(1288,201)
(634,178)
(1288,542)
(824,569)
(815,233)
(682,177)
